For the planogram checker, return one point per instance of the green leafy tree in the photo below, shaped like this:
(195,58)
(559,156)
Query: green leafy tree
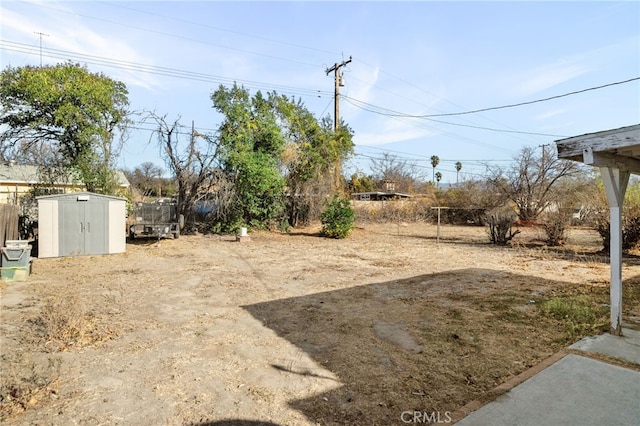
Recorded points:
(65,118)
(359,182)
(251,143)
(281,160)
(311,161)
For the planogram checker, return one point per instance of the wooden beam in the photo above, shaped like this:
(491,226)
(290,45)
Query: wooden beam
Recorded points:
(608,140)
(606,159)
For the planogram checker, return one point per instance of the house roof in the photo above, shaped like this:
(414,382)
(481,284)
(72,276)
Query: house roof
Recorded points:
(30,175)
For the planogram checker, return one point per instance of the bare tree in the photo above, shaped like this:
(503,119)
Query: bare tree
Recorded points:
(406,175)
(194,164)
(531,182)
(147,180)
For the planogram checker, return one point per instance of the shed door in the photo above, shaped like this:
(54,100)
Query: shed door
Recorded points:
(96,228)
(83,228)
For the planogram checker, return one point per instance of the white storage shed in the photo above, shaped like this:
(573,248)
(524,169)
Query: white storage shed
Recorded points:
(81,223)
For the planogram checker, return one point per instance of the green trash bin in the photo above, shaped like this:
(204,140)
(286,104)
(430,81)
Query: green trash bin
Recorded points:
(16,263)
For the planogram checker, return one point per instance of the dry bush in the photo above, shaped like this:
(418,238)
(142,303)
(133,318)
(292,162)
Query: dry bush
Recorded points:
(555,226)
(462,216)
(392,211)
(64,323)
(500,223)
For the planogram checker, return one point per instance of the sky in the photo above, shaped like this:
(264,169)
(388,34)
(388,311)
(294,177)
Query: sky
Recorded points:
(408,60)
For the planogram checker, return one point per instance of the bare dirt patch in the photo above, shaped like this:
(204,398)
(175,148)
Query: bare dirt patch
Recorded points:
(294,329)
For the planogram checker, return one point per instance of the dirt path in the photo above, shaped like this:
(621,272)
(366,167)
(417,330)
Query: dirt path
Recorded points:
(289,329)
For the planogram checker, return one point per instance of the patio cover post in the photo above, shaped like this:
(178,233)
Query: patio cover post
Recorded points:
(615,184)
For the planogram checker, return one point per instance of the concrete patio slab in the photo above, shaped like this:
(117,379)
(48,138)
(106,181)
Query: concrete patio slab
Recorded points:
(573,391)
(625,347)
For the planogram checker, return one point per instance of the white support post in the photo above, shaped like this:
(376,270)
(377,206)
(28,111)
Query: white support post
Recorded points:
(615,184)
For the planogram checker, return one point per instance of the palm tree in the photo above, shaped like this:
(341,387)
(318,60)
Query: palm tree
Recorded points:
(438,178)
(435,160)
(458,168)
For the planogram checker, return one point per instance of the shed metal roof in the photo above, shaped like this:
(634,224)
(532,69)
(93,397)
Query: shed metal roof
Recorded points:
(75,195)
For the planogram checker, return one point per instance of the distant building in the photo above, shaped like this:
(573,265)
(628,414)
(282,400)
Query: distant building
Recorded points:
(379,196)
(17,180)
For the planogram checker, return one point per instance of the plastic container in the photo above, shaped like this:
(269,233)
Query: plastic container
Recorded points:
(16,273)
(17,244)
(16,263)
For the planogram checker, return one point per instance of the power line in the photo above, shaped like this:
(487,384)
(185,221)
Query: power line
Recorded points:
(219,29)
(390,113)
(157,70)
(430,94)
(426,167)
(171,35)
(176,73)
(529,102)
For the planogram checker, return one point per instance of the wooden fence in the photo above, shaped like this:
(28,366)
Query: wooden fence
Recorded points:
(8,223)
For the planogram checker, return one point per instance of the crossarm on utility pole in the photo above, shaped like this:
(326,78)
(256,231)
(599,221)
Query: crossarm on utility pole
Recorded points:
(336,102)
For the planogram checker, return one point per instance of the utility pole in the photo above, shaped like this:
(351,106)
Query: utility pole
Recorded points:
(41,34)
(544,154)
(338,82)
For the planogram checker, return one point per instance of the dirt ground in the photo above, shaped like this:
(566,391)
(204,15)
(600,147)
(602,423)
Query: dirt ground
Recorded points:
(289,329)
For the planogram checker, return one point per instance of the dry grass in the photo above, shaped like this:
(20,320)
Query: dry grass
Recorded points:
(64,323)
(26,383)
(401,323)
(61,324)
(469,341)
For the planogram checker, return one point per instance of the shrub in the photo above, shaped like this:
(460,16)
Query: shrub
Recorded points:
(500,222)
(555,225)
(463,216)
(337,218)
(630,228)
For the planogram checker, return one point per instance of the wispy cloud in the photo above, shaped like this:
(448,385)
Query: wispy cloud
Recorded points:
(70,34)
(545,77)
(549,114)
(390,131)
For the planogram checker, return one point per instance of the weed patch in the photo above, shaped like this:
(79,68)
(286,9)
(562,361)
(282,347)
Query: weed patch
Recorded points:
(581,315)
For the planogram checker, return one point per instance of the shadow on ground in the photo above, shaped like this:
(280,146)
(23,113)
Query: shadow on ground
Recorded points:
(235,422)
(429,343)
